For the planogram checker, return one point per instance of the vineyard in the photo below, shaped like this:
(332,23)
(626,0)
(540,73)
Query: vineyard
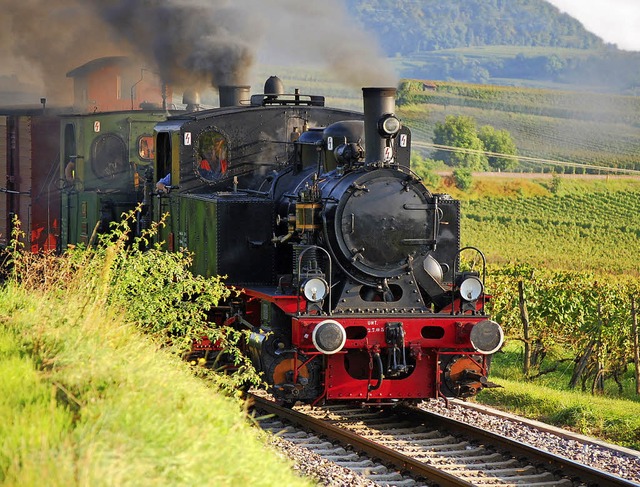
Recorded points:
(596,232)
(564,272)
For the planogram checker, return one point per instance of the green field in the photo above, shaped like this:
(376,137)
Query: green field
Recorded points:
(595,230)
(580,128)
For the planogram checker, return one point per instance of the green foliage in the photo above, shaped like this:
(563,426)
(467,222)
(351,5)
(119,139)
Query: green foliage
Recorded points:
(499,142)
(155,291)
(551,231)
(86,399)
(480,40)
(88,391)
(459,132)
(431,25)
(556,182)
(425,168)
(463,178)
(589,128)
(575,311)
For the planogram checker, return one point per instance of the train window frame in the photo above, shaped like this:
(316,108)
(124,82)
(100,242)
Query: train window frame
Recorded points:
(218,149)
(97,157)
(151,147)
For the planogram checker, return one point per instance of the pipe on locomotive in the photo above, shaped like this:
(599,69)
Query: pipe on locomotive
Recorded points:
(380,124)
(234,95)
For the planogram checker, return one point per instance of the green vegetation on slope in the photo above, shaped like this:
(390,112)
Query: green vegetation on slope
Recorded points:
(87,400)
(521,42)
(579,128)
(90,393)
(554,231)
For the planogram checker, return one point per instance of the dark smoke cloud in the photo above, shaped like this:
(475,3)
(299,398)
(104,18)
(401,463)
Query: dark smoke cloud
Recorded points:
(189,43)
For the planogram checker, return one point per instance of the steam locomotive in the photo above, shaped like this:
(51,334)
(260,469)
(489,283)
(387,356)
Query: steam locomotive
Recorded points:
(349,267)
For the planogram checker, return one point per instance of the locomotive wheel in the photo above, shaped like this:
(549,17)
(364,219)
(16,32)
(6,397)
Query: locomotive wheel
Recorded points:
(281,373)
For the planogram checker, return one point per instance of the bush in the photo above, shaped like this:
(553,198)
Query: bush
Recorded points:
(463,178)
(154,290)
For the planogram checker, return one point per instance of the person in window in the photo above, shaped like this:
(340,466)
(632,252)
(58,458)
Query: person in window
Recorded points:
(220,148)
(204,166)
(211,160)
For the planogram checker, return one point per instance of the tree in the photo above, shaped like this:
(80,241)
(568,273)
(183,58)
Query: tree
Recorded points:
(460,131)
(499,142)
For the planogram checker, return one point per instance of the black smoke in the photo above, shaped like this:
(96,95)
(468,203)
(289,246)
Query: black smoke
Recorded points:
(188,43)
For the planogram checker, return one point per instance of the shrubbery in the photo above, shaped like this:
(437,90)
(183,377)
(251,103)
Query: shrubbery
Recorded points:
(154,290)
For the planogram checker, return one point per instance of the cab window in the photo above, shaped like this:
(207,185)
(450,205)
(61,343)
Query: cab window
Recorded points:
(109,156)
(146,147)
(211,160)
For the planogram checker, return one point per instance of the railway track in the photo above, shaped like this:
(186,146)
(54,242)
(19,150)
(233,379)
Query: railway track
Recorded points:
(408,446)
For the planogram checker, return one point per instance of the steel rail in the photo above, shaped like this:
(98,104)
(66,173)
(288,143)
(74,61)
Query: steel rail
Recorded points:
(560,466)
(553,462)
(373,449)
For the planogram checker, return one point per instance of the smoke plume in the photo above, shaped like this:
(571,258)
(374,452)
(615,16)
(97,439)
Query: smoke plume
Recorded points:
(188,43)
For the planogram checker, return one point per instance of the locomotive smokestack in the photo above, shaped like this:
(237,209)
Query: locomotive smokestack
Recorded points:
(191,98)
(379,123)
(233,96)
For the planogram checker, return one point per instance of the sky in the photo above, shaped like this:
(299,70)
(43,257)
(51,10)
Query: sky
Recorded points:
(615,21)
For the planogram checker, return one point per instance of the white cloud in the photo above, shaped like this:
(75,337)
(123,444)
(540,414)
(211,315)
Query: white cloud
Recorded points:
(615,21)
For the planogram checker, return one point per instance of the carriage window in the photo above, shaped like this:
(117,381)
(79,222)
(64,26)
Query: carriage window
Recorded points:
(212,156)
(109,156)
(70,153)
(146,148)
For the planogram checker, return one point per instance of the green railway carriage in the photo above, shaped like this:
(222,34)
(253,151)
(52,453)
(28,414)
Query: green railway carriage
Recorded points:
(105,159)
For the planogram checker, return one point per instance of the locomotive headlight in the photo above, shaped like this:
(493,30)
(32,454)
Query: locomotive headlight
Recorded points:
(389,125)
(329,337)
(487,337)
(315,289)
(471,289)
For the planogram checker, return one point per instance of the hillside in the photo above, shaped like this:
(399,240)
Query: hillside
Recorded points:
(519,42)
(570,223)
(546,125)
(432,25)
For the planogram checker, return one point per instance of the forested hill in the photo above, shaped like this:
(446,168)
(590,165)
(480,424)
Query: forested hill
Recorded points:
(410,26)
(496,41)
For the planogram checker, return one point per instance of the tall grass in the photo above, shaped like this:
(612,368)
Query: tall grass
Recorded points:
(88,398)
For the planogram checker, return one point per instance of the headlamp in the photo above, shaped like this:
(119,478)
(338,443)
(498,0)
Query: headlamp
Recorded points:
(389,125)
(471,289)
(314,289)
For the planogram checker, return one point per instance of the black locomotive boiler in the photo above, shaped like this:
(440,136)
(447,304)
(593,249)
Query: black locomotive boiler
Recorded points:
(349,266)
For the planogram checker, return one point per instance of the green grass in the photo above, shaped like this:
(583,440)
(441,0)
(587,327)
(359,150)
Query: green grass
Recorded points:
(548,399)
(87,400)
(613,420)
